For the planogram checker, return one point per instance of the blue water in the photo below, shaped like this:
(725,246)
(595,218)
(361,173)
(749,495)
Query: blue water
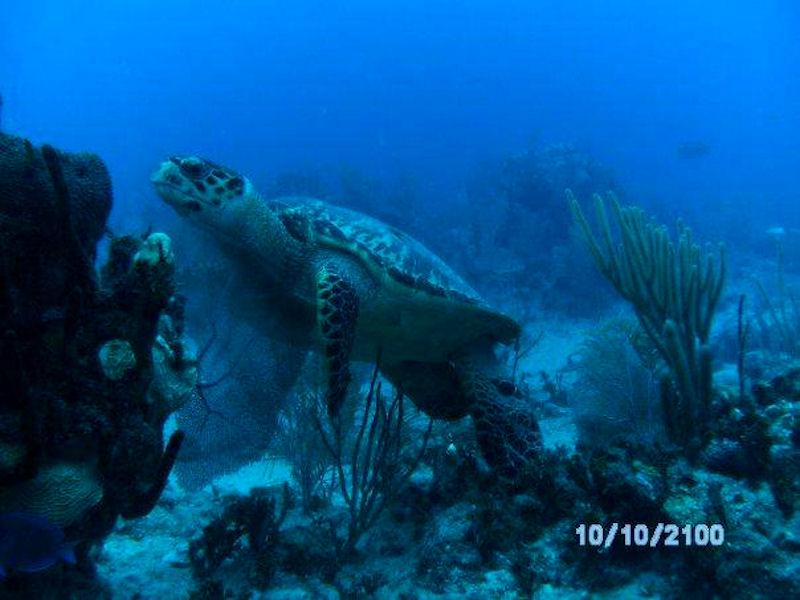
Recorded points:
(428,88)
(688,108)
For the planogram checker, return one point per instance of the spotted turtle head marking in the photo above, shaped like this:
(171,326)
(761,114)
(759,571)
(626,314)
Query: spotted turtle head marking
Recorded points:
(194,185)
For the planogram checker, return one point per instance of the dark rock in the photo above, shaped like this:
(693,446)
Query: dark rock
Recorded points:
(728,457)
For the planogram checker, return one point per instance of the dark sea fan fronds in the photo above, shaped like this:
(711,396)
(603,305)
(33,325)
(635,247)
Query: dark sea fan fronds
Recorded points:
(300,443)
(377,471)
(780,330)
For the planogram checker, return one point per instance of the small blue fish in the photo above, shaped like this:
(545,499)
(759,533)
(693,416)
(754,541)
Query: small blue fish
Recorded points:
(30,543)
(694,149)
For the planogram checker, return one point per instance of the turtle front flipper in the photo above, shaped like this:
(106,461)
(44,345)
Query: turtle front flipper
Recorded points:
(337,314)
(507,431)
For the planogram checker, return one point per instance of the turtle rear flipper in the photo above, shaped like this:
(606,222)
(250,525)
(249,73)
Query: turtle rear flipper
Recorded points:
(337,314)
(507,431)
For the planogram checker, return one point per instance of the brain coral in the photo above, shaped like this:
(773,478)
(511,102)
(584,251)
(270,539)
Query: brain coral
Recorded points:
(61,491)
(117,359)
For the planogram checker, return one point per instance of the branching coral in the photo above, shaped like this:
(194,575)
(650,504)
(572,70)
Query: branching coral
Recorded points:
(674,290)
(256,518)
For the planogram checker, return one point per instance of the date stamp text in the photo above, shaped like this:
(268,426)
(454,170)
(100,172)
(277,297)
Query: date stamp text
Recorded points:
(652,536)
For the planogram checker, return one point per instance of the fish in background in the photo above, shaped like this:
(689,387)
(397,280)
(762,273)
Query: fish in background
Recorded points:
(31,543)
(692,150)
(779,233)
(1,112)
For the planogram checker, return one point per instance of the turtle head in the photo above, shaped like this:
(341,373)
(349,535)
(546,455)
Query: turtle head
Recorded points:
(225,204)
(199,189)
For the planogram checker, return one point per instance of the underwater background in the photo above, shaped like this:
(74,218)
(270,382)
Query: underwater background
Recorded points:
(212,468)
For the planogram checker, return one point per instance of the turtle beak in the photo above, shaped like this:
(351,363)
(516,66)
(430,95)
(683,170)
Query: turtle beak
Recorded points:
(170,186)
(158,176)
(167,174)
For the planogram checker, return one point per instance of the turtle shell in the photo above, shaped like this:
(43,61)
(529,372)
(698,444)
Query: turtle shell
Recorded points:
(383,247)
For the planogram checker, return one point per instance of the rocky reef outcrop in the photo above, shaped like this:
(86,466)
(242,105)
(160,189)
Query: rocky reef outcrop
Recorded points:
(93,362)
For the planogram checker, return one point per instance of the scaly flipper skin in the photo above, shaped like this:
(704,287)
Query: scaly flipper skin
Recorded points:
(507,431)
(337,314)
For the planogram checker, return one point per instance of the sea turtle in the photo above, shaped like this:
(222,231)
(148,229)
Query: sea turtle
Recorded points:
(356,288)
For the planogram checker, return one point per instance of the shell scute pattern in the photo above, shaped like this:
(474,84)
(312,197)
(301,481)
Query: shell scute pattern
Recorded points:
(296,224)
(402,258)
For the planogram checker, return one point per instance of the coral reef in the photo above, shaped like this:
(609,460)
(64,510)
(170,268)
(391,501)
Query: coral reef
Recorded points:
(61,491)
(255,518)
(674,290)
(514,237)
(87,385)
(616,389)
(376,472)
(388,505)
(453,528)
